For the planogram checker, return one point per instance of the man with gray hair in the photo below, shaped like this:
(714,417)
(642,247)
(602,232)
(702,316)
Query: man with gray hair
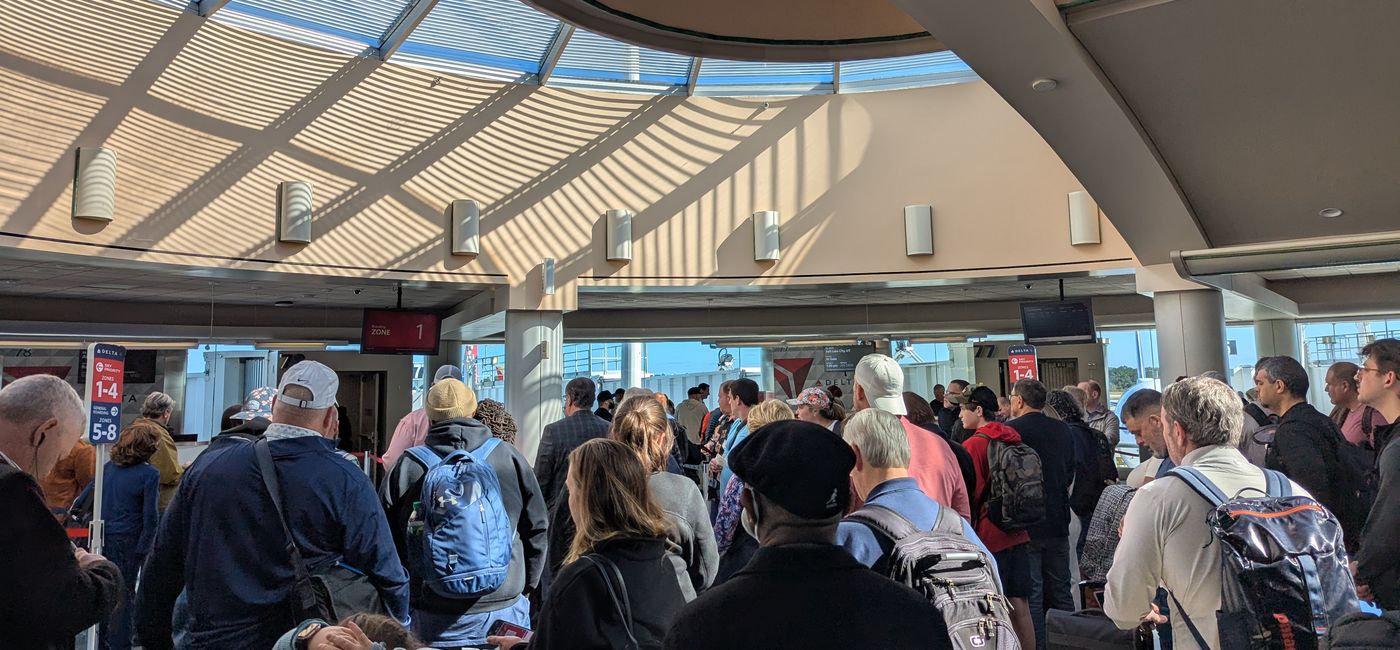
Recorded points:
(155,417)
(49,590)
(224,539)
(881,479)
(1096,412)
(1166,540)
(412,429)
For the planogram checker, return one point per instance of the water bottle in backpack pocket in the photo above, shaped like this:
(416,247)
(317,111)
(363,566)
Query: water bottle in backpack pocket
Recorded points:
(1284,577)
(952,572)
(460,536)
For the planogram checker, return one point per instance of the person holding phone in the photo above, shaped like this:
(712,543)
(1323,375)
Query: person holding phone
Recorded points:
(620,586)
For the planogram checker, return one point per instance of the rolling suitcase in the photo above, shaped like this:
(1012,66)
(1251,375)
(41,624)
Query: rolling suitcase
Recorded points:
(1089,629)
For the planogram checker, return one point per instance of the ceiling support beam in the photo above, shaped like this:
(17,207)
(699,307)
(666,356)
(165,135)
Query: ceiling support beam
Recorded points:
(694,76)
(408,21)
(556,50)
(836,78)
(207,8)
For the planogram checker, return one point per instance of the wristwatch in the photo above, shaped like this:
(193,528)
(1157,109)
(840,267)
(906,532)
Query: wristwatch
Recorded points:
(305,633)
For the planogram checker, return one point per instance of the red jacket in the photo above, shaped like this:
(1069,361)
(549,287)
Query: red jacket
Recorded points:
(996,539)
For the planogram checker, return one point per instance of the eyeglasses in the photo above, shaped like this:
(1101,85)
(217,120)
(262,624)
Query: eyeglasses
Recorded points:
(1362,369)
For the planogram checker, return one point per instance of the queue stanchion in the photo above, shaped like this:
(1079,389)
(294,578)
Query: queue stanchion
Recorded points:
(105,367)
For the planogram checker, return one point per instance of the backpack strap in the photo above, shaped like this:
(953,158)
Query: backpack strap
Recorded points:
(885,521)
(948,521)
(1195,632)
(424,455)
(1277,484)
(304,599)
(480,453)
(1200,484)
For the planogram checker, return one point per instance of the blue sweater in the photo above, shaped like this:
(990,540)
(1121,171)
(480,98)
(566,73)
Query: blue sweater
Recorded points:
(903,496)
(737,434)
(129,498)
(221,543)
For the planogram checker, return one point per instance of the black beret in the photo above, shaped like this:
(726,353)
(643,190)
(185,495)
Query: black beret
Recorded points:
(803,467)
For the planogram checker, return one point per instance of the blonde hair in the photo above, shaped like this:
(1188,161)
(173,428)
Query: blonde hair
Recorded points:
(768,412)
(614,496)
(641,424)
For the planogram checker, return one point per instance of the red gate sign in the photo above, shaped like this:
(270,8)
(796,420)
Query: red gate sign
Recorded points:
(1021,361)
(106,364)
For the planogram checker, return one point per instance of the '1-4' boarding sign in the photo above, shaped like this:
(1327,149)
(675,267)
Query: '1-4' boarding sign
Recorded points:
(104,392)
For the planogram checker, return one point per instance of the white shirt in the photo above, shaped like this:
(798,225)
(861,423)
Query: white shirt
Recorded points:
(1166,542)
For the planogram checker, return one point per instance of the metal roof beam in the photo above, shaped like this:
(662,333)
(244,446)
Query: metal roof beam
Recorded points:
(836,78)
(694,76)
(556,50)
(207,8)
(407,21)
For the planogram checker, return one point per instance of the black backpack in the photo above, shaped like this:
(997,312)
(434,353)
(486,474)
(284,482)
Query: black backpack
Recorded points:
(1094,470)
(1015,486)
(1284,577)
(1364,632)
(952,571)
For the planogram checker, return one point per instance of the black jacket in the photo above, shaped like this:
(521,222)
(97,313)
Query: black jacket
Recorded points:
(1305,449)
(691,533)
(579,613)
(1378,560)
(45,598)
(809,596)
(1052,440)
(559,439)
(520,495)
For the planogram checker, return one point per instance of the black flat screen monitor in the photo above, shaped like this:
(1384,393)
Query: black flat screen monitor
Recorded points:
(1061,321)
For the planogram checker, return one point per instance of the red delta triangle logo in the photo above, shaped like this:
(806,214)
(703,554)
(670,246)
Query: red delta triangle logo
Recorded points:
(791,374)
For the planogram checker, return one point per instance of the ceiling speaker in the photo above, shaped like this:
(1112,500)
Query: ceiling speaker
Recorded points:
(767,246)
(618,224)
(464,222)
(1083,219)
(918,230)
(294,212)
(95,184)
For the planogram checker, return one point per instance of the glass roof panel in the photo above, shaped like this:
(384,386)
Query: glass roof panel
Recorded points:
(484,36)
(362,21)
(904,72)
(725,72)
(591,56)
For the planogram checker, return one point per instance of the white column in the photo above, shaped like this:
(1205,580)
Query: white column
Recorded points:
(1190,332)
(534,373)
(632,370)
(1277,337)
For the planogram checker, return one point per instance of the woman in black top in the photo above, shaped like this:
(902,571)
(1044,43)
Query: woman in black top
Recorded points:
(618,588)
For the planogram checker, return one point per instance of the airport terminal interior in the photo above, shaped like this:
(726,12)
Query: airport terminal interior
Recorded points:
(1115,195)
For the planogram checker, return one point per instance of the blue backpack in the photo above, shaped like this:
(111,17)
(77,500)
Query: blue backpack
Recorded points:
(459,535)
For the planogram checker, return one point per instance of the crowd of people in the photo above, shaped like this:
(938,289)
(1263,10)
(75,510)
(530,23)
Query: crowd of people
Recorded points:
(896,522)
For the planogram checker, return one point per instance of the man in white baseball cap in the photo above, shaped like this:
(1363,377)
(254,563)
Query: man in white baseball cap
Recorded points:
(223,541)
(879,384)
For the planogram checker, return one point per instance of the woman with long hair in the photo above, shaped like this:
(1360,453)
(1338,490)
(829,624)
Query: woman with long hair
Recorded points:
(130,500)
(641,425)
(619,587)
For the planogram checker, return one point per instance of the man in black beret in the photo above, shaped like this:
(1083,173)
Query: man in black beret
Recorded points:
(801,590)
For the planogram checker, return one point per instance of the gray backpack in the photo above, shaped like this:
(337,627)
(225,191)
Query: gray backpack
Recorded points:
(952,571)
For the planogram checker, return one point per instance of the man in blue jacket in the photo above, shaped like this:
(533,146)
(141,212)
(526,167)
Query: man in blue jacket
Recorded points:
(220,541)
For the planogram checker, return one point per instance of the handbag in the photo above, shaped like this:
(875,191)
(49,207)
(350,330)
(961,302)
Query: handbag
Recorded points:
(330,594)
(618,595)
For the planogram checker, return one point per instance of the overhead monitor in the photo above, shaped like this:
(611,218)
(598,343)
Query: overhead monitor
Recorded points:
(400,331)
(1061,321)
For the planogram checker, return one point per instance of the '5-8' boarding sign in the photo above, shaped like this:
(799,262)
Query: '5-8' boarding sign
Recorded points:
(104,392)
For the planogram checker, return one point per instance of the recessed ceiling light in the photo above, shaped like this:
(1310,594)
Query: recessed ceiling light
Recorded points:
(8,281)
(1044,85)
(283,303)
(1330,213)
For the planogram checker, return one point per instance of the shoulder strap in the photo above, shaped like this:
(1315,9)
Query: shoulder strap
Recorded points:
(948,521)
(306,597)
(887,522)
(617,593)
(1368,417)
(424,455)
(1200,484)
(1277,484)
(1200,640)
(480,454)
